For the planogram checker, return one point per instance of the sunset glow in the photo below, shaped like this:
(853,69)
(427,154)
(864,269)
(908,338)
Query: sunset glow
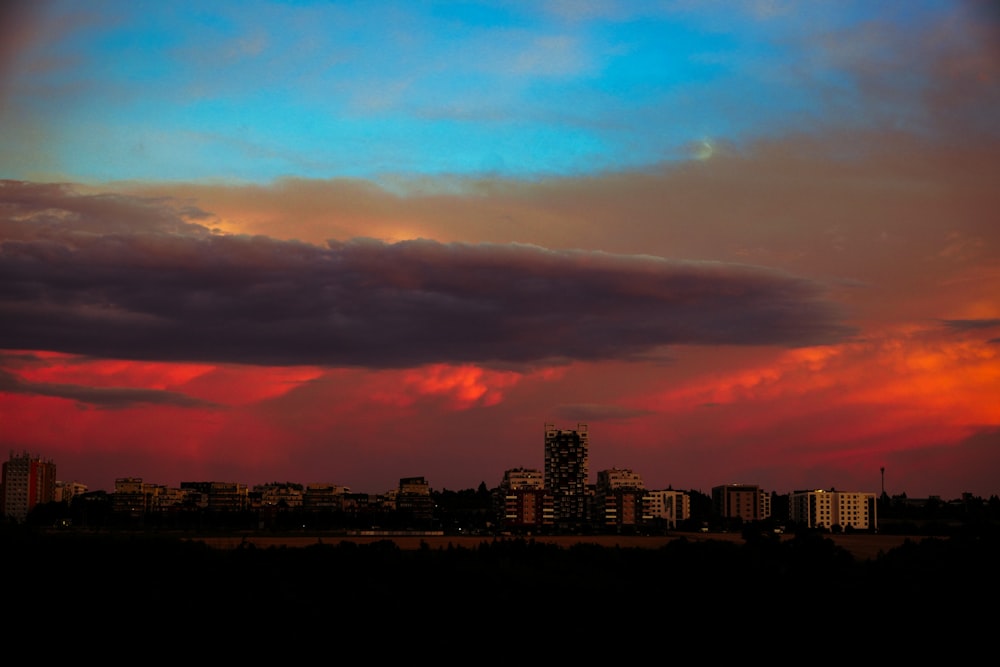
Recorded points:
(348,243)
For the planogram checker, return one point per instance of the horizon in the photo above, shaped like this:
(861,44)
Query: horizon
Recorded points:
(282,240)
(432,487)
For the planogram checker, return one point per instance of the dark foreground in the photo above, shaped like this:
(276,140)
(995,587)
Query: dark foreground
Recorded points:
(753,588)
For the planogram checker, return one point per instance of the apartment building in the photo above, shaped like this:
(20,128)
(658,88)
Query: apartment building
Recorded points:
(524,503)
(834,509)
(567,473)
(131,498)
(414,497)
(617,499)
(324,497)
(741,501)
(220,496)
(26,481)
(665,507)
(66,491)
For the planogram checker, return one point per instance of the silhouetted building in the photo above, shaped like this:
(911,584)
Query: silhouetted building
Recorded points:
(220,496)
(741,501)
(66,491)
(829,509)
(324,497)
(617,500)
(618,478)
(27,481)
(414,498)
(567,473)
(525,504)
(130,497)
(278,495)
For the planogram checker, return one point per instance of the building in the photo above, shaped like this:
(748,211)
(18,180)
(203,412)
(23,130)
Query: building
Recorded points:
(131,497)
(740,501)
(324,497)
(665,508)
(524,502)
(413,498)
(567,473)
(522,478)
(219,496)
(27,481)
(618,478)
(279,495)
(834,510)
(617,501)
(66,491)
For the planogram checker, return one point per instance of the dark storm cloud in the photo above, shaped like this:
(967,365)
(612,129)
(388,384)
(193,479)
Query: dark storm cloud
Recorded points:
(101,397)
(119,277)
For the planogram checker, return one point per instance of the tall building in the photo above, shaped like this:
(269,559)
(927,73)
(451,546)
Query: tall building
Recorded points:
(567,473)
(27,481)
(826,509)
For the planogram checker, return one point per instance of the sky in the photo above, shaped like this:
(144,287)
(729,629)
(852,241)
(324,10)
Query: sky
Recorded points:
(745,242)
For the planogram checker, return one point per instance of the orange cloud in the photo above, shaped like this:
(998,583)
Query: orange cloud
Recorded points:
(465,386)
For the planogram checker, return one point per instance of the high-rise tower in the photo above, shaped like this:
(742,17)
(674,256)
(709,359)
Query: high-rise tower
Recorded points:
(27,481)
(567,473)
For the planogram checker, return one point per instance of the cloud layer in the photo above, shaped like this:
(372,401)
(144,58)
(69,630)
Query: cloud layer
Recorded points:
(119,277)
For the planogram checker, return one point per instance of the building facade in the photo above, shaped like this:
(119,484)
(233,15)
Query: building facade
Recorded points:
(132,497)
(27,481)
(66,491)
(567,473)
(413,497)
(665,508)
(618,478)
(617,500)
(740,501)
(833,510)
(524,504)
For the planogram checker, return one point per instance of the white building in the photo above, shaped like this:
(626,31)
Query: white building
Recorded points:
(668,506)
(827,509)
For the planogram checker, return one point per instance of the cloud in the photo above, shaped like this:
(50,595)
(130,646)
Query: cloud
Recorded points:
(966,325)
(114,398)
(76,280)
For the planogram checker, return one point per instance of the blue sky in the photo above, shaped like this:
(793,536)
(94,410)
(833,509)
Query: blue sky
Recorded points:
(253,91)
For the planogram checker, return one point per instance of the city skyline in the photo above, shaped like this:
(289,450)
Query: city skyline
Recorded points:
(749,242)
(591,481)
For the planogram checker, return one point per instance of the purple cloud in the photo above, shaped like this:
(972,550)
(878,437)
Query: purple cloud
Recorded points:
(122,277)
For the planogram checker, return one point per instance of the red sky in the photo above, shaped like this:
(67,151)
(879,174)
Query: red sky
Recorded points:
(796,309)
